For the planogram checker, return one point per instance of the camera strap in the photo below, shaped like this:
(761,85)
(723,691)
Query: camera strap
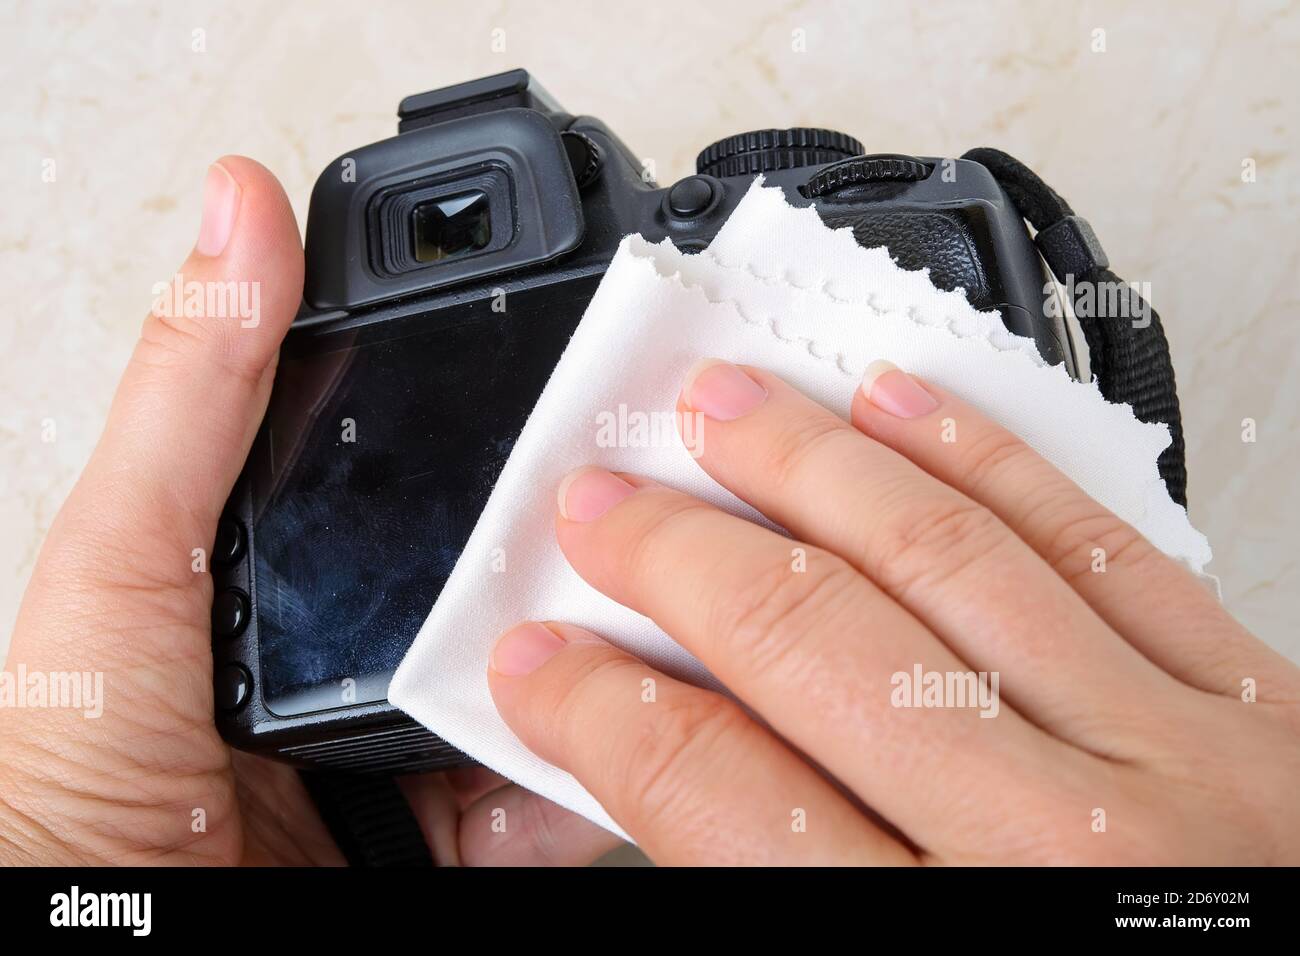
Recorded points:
(1127,347)
(369,818)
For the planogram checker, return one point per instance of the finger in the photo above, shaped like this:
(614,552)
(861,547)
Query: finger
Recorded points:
(472,816)
(1192,637)
(188,405)
(683,770)
(435,806)
(274,811)
(196,386)
(470,783)
(815,648)
(511,826)
(944,557)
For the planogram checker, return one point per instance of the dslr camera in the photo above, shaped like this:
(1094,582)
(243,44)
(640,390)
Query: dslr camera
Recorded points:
(403,382)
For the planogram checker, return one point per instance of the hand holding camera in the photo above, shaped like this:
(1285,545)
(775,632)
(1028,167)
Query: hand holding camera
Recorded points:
(116,592)
(237,433)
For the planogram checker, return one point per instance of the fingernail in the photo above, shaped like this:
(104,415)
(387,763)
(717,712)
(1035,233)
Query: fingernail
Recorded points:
(721,391)
(220,206)
(589,492)
(523,649)
(892,390)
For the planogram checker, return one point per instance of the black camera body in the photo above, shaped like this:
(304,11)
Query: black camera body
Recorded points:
(447,268)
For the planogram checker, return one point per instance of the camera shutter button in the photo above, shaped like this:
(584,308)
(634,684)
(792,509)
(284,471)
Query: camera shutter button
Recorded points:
(690,197)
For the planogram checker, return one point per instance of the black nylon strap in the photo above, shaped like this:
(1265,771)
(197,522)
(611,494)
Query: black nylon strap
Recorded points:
(369,818)
(1131,361)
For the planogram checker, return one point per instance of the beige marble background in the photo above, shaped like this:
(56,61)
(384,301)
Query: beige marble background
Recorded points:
(1146,139)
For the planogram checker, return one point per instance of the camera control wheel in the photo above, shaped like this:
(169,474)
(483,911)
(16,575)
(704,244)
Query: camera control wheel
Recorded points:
(866,170)
(764,150)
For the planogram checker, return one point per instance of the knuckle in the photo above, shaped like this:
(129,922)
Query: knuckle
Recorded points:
(762,621)
(1080,528)
(538,832)
(809,438)
(931,539)
(661,770)
(171,344)
(159,579)
(174,337)
(991,454)
(649,539)
(575,701)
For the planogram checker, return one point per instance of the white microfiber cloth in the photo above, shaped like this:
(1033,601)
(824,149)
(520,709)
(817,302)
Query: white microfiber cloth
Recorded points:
(775,289)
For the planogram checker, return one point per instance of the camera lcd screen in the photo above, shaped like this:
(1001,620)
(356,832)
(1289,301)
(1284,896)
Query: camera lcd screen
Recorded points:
(378,452)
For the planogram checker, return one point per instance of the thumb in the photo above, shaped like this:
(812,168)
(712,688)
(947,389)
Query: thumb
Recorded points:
(191,398)
(197,384)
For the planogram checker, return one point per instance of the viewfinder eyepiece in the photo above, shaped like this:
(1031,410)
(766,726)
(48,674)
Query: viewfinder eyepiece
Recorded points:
(452,226)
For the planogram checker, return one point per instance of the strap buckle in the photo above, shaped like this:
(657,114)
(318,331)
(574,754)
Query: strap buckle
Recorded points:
(1071,248)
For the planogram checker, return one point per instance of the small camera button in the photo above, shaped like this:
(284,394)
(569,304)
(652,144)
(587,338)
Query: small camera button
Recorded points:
(233,686)
(230,543)
(230,613)
(691,197)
